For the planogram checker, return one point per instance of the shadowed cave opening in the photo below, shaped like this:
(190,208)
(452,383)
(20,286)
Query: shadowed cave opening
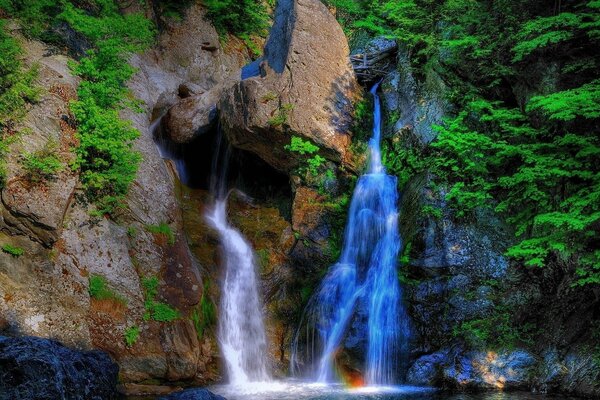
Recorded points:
(246,171)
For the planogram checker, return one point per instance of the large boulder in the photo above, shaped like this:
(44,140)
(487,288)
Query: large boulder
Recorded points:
(306,89)
(474,370)
(35,368)
(192,116)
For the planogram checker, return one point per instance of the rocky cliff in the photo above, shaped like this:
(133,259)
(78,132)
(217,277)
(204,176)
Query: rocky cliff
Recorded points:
(157,249)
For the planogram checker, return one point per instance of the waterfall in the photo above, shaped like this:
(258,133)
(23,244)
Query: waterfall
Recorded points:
(365,277)
(241,330)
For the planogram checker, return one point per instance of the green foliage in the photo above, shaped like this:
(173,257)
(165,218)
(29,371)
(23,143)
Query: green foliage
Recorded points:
(402,160)
(35,15)
(131,335)
(42,165)
(238,17)
(306,148)
(583,101)
(99,290)
(13,250)
(156,310)
(17,90)
(496,331)
(205,315)
(131,232)
(162,229)
(281,116)
(363,119)
(405,257)
(105,156)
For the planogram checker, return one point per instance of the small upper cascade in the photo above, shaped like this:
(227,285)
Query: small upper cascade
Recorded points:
(241,329)
(365,280)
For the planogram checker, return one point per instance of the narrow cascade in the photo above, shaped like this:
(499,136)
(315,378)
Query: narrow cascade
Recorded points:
(241,330)
(364,282)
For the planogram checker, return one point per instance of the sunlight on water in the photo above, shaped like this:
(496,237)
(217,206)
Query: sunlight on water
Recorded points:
(292,390)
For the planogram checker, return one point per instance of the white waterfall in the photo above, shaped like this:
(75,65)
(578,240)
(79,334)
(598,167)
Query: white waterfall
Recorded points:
(241,328)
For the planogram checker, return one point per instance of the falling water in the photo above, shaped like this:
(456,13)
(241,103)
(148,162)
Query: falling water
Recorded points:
(365,277)
(241,328)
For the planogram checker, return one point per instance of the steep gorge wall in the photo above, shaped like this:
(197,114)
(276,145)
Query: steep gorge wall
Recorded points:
(457,278)
(45,291)
(290,223)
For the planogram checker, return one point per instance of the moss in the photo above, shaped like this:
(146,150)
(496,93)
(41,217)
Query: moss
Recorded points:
(162,229)
(205,315)
(131,335)
(281,116)
(156,310)
(13,250)
(99,290)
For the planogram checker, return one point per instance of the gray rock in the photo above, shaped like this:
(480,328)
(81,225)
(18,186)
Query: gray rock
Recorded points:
(306,89)
(35,368)
(193,116)
(193,394)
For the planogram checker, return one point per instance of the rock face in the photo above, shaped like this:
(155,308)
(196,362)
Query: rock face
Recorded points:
(192,116)
(508,370)
(193,394)
(457,273)
(33,368)
(306,89)
(44,292)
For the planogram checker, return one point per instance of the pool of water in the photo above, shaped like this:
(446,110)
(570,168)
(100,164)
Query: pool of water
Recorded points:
(296,390)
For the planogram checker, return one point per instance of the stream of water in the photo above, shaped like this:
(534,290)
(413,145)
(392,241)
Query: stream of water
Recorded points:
(241,329)
(363,286)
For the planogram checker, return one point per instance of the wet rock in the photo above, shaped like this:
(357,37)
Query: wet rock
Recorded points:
(193,394)
(582,375)
(191,117)
(417,106)
(181,345)
(308,217)
(426,370)
(35,368)
(306,89)
(489,370)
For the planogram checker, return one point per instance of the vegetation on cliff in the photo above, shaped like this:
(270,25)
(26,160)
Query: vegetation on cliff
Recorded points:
(524,140)
(105,157)
(17,89)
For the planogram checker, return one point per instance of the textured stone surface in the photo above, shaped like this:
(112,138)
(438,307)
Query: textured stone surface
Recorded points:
(193,394)
(306,83)
(193,116)
(45,291)
(34,368)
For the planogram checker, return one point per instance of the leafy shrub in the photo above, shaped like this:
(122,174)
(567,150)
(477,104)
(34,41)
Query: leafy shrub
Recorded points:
(239,17)
(305,148)
(41,165)
(156,310)
(13,250)
(497,331)
(162,229)
(131,335)
(105,156)
(99,290)
(17,89)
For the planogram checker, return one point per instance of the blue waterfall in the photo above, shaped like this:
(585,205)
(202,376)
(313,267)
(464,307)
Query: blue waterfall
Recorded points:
(365,279)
